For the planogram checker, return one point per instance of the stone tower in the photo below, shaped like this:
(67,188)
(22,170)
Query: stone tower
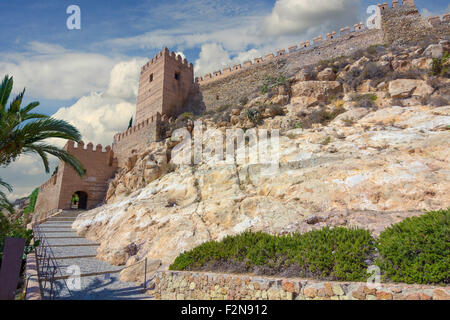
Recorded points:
(164,86)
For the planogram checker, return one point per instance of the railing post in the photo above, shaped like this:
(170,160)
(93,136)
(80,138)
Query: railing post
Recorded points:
(145,275)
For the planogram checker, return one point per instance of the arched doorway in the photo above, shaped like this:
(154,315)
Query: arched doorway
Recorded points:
(79,200)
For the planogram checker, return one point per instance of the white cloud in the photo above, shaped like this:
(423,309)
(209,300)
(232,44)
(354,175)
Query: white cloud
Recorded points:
(124,79)
(297,16)
(52,72)
(428,13)
(228,39)
(179,53)
(98,116)
(212,57)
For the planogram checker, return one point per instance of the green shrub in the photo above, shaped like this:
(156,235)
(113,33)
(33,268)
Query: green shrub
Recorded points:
(185,116)
(417,250)
(335,254)
(253,115)
(33,197)
(439,66)
(271,82)
(326,141)
(364,100)
(15,229)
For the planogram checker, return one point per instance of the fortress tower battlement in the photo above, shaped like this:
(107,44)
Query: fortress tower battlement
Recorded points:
(164,85)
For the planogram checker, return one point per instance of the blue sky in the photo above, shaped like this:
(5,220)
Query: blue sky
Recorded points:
(89,76)
(105,21)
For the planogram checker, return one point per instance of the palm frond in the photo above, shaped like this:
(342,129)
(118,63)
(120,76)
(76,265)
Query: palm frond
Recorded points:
(14,106)
(24,111)
(43,148)
(5,91)
(5,204)
(48,128)
(6,185)
(41,153)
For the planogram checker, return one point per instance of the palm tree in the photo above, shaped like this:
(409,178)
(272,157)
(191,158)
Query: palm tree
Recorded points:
(22,132)
(4,203)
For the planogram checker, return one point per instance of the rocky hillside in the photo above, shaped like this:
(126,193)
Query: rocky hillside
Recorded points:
(364,142)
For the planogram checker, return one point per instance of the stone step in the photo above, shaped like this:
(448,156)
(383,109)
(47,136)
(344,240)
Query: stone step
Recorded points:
(48,226)
(59,231)
(99,288)
(89,266)
(69,237)
(76,257)
(74,251)
(56,223)
(75,245)
(71,241)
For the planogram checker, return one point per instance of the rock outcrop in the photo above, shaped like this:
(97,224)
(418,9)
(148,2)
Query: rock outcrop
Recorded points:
(346,158)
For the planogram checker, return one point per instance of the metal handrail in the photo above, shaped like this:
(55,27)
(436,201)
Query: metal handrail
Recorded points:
(144,284)
(49,267)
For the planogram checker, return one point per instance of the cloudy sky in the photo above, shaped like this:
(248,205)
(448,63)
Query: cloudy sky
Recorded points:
(89,76)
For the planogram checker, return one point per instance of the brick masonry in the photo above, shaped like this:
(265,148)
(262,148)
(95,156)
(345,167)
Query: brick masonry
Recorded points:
(164,86)
(180,285)
(57,192)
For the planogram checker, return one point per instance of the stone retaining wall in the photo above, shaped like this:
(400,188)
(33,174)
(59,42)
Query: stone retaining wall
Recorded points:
(171,285)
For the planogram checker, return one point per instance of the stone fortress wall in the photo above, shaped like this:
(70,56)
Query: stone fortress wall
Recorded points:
(164,85)
(393,23)
(317,41)
(248,82)
(57,192)
(135,138)
(167,86)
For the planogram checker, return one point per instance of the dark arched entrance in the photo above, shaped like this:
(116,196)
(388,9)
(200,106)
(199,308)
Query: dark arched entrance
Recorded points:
(79,200)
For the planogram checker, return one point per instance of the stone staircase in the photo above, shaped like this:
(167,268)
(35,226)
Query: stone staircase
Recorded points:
(99,279)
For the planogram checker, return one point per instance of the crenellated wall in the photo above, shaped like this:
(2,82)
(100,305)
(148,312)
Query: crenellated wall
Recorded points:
(57,192)
(399,21)
(403,24)
(228,71)
(164,85)
(136,138)
(230,89)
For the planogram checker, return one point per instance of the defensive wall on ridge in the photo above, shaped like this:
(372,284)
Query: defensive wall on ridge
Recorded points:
(57,192)
(137,137)
(396,23)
